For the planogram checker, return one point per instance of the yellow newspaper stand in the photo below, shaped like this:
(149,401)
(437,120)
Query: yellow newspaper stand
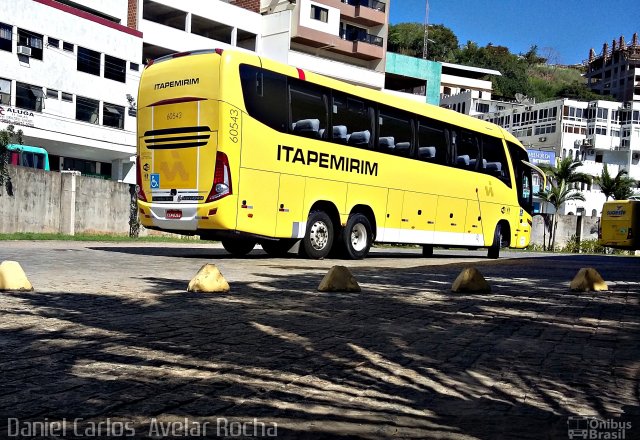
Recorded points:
(620,224)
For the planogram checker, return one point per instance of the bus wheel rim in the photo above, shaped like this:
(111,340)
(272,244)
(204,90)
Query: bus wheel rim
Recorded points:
(319,235)
(359,237)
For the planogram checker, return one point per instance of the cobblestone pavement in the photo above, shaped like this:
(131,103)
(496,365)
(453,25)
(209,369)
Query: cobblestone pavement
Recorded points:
(111,339)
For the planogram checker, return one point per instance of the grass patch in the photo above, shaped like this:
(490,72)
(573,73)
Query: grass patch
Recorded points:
(95,237)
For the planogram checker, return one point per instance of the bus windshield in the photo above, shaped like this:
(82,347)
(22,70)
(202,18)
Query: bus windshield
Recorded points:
(524,180)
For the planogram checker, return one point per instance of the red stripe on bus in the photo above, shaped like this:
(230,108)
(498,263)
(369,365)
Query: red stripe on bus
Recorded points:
(301,74)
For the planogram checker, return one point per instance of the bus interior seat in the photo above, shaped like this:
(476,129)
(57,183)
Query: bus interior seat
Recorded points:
(494,168)
(402,149)
(426,153)
(359,139)
(483,164)
(322,133)
(340,133)
(387,143)
(463,161)
(307,127)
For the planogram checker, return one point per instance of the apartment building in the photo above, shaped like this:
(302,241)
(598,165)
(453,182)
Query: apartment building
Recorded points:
(69,74)
(596,133)
(616,71)
(344,39)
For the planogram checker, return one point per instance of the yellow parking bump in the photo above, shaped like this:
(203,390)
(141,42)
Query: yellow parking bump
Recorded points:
(12,277)
(339,279)
(588,279)
(470,280)
(208,280)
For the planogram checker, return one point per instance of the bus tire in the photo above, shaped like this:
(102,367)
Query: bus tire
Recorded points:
(277,248)
(498,242)
(238,247)
(427,250)
(318,239)
(357,236)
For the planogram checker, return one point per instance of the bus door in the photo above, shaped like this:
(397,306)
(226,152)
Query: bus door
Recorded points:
(393,217)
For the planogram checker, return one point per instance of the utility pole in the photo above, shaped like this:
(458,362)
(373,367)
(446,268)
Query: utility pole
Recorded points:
(425,43)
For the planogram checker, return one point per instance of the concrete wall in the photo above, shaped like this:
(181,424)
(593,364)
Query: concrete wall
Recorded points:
(63,202)
(567,227)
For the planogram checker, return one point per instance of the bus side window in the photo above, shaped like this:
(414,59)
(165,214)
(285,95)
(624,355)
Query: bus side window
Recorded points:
(351,120)
(395,132)
(467,150)
(494,159)
(308,109)
(432,142)
(265,96)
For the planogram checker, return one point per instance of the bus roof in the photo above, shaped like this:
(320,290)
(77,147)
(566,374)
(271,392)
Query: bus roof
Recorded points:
(28,148)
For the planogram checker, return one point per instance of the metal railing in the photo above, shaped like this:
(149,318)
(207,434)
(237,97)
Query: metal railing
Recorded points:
(373,4)
(366,38)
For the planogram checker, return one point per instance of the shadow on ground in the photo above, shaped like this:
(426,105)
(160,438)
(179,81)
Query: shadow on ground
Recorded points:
(404,358)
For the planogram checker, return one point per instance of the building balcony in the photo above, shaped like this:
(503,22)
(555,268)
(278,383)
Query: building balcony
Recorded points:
(363,46)
(363,12)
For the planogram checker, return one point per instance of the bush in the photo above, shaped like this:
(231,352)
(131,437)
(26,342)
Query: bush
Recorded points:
(590,247)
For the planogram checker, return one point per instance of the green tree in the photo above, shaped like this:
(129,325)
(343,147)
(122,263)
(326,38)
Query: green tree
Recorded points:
(408,39)
(443,43)
(8,136)
(562,177)
(619,187)
(566,170)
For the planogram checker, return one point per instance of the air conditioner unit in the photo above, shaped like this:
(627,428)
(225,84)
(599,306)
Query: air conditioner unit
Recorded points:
(24,50)
(636,156)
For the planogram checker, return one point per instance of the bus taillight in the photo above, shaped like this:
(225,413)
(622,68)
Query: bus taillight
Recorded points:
(139,190)
(221,178)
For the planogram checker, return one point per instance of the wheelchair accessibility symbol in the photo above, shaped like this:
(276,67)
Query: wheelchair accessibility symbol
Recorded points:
(155,181)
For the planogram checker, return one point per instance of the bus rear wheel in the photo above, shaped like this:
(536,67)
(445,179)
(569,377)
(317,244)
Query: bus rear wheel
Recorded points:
(499,241)
(357,236)
(277,248)
(318,239)
(238,246)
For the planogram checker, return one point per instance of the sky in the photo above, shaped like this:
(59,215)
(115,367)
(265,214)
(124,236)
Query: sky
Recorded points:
(564,31)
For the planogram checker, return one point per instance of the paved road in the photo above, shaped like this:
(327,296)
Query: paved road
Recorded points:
(111,339)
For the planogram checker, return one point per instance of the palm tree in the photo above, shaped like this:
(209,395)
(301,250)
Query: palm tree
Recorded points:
(566,171)
(556,196)
(619,187)
(561,178)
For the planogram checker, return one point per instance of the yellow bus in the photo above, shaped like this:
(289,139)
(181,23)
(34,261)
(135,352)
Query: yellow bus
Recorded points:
(242,149)
(620,224)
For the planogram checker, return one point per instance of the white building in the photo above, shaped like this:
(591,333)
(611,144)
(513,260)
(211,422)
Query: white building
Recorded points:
(66,72)
(463,90)
(342,39)
(596,133)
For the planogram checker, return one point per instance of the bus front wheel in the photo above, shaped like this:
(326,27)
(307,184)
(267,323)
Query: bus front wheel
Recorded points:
(238,246)
(318,239)
(498,243)
(357,236)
